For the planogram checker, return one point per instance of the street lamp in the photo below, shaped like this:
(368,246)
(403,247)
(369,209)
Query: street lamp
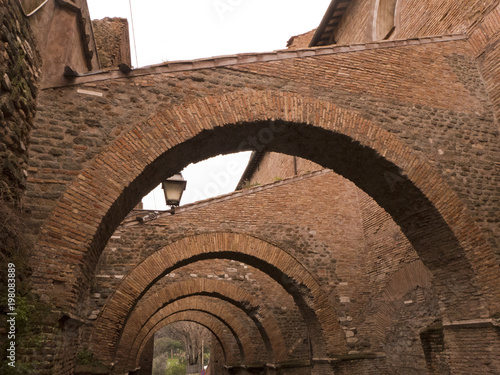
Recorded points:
(173,188)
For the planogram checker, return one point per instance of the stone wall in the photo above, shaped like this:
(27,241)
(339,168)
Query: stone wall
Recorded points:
(19,75)
(20,65)
(112,41)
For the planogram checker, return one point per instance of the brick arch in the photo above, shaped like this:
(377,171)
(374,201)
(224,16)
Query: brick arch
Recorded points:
(263,319)
(131,364)
(226,339)
(430,214)
(326,335)
(244,329)
(229,316)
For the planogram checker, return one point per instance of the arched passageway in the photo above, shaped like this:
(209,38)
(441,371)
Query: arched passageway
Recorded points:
(282,267)
(407,187)
(427,210)
(144,320)
(221,332)
(248,342)
(292,276)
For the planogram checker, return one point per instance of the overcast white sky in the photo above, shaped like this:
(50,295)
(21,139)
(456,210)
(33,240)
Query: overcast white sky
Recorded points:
(167,30)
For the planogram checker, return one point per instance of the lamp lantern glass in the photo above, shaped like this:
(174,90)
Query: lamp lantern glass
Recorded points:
(173,188)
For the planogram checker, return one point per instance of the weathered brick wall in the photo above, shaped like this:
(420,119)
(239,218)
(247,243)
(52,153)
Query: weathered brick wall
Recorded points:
(232,353)
(469,345)
(427,98)
(435,99)
(250,343)
(356,25)
(247,278)
(479,19)
(401,292)
(275,167)
(368,326)
(386,247)
(431,122)
(216,358)
(112,41)
(484,39)
(439,142)
(417,18)
(398,284)
(19,74)
(147,313)
(374,366)
(398,314)
(300,41)
(146,361)
(302,234)
(413,18)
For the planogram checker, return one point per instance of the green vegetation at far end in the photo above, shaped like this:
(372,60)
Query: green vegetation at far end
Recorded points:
(176,369)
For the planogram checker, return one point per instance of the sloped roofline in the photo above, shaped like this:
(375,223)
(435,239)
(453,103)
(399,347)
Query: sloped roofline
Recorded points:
(324,34)
(249,58)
